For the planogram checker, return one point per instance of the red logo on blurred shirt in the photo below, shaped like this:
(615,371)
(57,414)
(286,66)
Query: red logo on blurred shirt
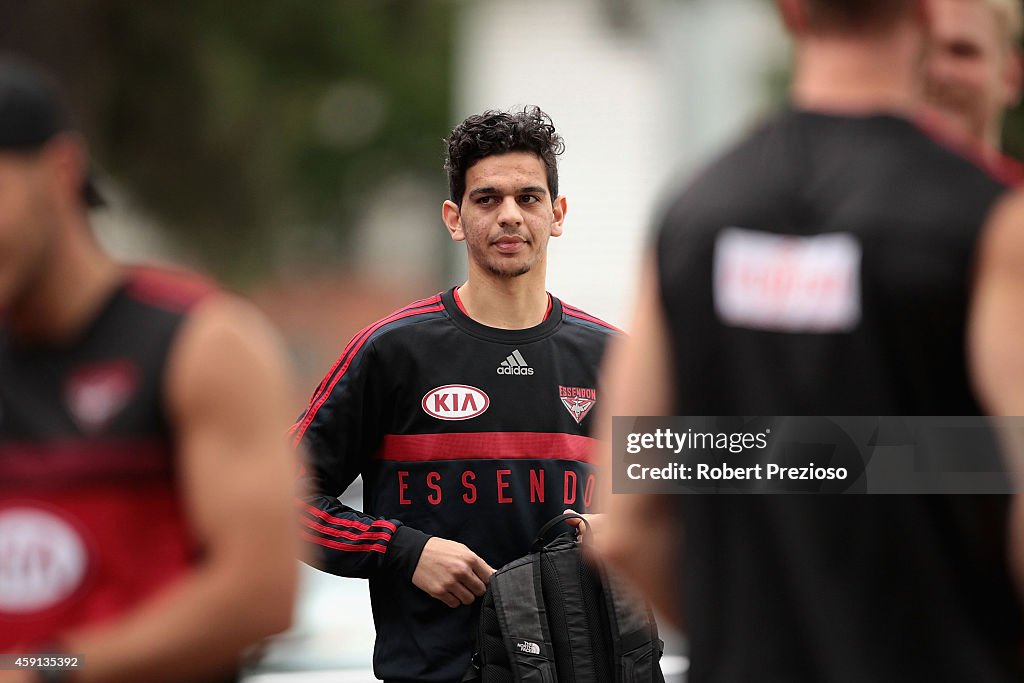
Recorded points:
(96,393)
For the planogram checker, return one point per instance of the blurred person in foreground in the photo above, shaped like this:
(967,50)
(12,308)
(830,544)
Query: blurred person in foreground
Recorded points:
(465,413)
(146,519)
(974,72)
(926,254)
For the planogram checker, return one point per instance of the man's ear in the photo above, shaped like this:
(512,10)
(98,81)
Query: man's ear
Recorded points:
(559,208)
(452,215)
(67,163)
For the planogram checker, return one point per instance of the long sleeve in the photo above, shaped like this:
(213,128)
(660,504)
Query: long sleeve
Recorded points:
(339,432)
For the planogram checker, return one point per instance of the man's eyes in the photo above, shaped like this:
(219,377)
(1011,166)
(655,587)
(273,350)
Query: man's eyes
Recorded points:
(522,199)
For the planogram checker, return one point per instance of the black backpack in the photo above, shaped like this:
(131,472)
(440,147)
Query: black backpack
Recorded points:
(554,617)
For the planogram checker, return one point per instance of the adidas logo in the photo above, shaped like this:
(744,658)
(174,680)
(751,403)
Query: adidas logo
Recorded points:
(515,364)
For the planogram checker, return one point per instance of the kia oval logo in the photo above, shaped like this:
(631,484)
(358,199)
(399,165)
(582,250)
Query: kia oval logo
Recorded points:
(455,402)
(42,560)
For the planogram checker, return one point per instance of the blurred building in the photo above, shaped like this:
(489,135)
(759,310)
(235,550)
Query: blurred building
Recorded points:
(642,90)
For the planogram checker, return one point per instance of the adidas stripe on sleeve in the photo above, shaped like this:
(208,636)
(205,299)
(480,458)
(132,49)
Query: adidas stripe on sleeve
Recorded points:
(339,432)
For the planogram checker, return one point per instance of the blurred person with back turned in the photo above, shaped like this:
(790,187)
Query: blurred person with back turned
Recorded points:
(146,514)
(465,413)
(931,248)
(974,72)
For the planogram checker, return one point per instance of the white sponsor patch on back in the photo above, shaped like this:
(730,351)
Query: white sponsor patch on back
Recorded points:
(786,283)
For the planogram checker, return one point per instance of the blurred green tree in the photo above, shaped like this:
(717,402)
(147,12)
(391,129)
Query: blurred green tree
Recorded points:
(256,130)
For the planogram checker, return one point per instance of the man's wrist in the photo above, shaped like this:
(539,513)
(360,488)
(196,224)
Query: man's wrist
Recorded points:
(404,551)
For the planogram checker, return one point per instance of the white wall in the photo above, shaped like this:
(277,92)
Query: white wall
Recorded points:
(636,108)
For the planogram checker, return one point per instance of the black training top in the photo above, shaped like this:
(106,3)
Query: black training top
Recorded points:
(462,431)
(823,267)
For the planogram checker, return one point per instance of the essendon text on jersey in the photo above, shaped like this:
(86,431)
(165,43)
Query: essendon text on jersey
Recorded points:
(469,487)
(577,392)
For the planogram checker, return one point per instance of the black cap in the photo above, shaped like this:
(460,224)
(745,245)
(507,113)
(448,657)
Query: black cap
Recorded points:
(31,112)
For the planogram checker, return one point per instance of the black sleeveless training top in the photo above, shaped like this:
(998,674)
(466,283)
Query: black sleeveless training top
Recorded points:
(92,518)
(823,267)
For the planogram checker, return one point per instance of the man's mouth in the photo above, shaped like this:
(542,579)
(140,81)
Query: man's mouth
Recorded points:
(509,244)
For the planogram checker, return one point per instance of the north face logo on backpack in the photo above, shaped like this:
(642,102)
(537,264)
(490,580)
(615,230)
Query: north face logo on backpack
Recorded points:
(528,647)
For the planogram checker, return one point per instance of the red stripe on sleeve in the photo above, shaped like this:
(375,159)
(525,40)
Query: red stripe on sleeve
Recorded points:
(315,407)
(350,523)
(327,543)
(361,334)
(352,536)
(577,313)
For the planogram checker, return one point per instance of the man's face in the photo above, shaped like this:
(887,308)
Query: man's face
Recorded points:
(972,71)
(28,224)
(507,214)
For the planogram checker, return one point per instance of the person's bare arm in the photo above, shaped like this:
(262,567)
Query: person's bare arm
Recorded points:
(638,535)
(997,314)
(227,389)
(996,342)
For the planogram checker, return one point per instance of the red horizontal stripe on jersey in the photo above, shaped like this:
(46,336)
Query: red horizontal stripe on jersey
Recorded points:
(350,523)
(368,332)
(346,547)
(486,445)
(67,460)
(351,535)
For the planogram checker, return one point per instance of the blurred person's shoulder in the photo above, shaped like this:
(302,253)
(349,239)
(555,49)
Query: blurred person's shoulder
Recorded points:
(806,158)
(168,288)
(948,154)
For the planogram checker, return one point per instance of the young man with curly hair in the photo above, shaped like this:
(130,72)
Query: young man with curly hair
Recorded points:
(466,413)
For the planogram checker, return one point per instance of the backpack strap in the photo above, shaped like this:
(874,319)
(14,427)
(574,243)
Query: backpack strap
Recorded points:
(539,542)
(631,628)
(473,674)
(519,603)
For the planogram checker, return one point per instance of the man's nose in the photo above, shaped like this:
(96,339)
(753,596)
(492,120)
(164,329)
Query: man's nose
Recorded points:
(510,213)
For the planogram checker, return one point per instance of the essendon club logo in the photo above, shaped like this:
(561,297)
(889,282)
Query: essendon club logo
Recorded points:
(577,400)
(455,402)
(96,393)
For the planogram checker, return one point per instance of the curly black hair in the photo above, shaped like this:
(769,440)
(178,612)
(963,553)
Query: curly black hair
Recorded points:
(498,132)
